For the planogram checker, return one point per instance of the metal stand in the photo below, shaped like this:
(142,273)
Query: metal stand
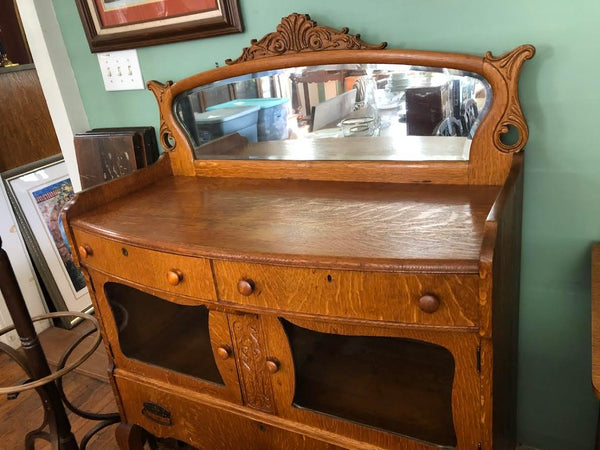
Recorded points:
(34,363)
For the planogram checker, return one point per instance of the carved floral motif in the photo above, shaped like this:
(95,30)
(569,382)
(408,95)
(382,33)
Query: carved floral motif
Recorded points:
(297,33)
(509,65)
(257,390)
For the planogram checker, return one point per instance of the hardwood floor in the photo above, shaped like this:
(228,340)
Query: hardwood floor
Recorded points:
(23,414)
(87,389)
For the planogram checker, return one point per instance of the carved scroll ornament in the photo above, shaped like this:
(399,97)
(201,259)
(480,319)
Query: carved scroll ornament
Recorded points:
(509,66)
(166,136)
(297,33)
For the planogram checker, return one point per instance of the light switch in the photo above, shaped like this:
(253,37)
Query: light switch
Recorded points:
(121,70)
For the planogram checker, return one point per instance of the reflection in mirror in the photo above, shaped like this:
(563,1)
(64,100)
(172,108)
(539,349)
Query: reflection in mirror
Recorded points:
(415,113)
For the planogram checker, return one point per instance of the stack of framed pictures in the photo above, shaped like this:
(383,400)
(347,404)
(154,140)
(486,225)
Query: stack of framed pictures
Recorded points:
(37,193)
(14,245)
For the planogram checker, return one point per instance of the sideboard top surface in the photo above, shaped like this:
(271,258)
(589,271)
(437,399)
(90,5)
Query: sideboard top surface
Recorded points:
(354,225)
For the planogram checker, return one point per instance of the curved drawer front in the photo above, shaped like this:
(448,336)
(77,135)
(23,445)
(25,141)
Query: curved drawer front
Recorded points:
(167,414)
(173,273)
(428,299)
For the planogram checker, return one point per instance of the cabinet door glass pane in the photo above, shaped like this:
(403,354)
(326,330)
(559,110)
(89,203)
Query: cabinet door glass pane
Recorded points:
(398,385)
(165,334)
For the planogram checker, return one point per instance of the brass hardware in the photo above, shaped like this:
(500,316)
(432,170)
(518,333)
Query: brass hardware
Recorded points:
(157,413)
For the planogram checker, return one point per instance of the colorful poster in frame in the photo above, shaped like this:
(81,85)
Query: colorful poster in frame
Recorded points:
(123,24)
(14,246)
(38,192)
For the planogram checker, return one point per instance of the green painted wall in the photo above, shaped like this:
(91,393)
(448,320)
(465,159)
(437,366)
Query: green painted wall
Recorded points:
(560,98)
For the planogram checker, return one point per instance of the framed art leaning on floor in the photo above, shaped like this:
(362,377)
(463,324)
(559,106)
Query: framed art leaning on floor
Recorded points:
(124,24)
(14,245)
(38,192)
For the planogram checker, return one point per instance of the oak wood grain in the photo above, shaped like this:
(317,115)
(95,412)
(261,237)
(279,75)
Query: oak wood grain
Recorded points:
(362,295)
(425,172)
(153,269)
(466,383)
(229,391)
(192,410)
(221,339)
(206,426)
(349,225)
(99,195)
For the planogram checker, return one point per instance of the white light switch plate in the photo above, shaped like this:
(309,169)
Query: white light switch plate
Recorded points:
(121,70)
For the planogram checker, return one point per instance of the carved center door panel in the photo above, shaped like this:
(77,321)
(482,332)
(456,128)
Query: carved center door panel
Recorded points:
(253,362)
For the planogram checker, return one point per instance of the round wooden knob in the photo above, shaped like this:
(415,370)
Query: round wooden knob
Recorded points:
(429,303)
(245,286)
(272,365)
(174,276)
(85,251)
(223,352)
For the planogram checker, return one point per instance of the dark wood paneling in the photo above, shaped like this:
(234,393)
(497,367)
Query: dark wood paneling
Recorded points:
(27,133)
(11,34)
(500,268)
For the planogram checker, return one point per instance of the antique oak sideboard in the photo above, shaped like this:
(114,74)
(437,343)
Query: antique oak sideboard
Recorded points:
(352,286)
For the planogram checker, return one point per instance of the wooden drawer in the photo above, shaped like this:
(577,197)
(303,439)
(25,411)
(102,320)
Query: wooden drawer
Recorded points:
(392,297)
(166,414)
(174,273)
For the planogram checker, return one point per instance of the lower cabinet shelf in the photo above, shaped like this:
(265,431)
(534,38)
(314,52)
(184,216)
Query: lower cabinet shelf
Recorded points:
(398,385)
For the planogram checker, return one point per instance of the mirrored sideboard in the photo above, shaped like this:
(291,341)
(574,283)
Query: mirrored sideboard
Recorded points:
(308,265)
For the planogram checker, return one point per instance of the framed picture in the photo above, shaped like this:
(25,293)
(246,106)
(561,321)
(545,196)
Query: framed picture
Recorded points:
(38,192)
(123,24)
(14,245)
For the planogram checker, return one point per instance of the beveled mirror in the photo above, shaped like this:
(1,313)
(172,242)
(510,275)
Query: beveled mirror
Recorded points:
(307,96)
(414,112)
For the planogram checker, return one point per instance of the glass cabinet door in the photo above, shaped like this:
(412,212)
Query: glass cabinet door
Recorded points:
(162,333)
(398,385)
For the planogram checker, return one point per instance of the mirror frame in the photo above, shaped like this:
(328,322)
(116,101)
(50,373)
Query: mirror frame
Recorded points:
(299,41)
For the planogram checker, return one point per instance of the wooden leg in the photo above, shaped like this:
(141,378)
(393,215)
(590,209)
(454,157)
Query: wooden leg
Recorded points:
(129,437)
